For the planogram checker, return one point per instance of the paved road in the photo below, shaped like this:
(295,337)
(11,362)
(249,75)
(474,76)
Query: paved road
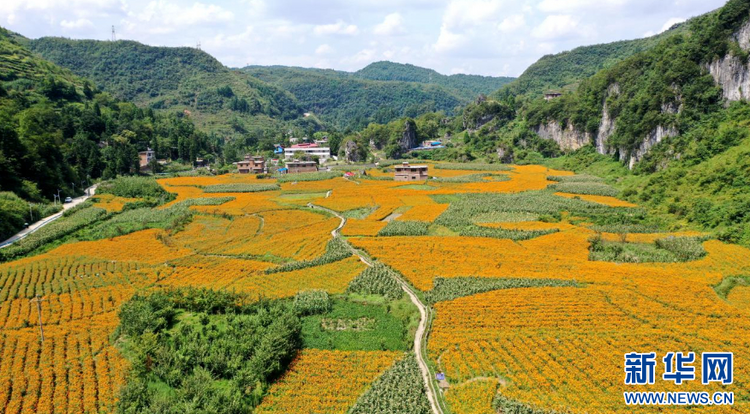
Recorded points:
(424,314)
(49,219)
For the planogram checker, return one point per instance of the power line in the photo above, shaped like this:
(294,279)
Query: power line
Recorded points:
(38,301)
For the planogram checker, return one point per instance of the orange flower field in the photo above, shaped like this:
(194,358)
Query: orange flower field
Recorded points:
(552,348)
(325,382)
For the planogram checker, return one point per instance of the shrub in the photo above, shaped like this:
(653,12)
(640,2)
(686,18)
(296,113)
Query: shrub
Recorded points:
(133,187)
(668,250)
(404,228)
(684,248)
(311,302)
(376,280)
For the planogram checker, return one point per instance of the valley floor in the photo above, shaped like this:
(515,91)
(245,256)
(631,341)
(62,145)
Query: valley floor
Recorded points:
(519,307)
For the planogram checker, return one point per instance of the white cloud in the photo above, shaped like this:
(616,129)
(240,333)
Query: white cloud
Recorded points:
(512,23)
(324,49)
(671,22)
(448,41)
(338,28)
(76,24)
(363,56)
(174,14)
(467,13)
(567,6)
(393,24)
(559,26)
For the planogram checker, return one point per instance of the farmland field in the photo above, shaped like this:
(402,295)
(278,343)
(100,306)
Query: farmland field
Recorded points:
(524,309)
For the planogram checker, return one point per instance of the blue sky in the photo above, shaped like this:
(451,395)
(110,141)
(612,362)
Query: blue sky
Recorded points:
(487,37)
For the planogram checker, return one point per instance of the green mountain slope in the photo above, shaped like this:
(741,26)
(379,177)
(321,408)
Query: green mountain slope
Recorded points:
(58,133)
(186,79)
(380,93)
(467,86)
(564,71)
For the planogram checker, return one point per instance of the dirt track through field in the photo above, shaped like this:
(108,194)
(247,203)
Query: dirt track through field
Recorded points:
(424,313)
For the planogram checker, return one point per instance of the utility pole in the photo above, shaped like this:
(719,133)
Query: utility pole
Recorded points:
(38,299)
(31,214)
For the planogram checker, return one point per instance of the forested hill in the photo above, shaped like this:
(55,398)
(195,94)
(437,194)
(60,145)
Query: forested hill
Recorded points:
(381,92)
(58,133)
(564,71)
(186,79)
(468,86)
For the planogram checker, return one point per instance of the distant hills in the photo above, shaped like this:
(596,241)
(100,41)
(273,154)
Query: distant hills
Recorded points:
(380,92)
(220,100)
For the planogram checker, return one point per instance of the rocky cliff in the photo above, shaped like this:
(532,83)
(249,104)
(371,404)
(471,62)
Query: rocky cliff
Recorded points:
(730,72)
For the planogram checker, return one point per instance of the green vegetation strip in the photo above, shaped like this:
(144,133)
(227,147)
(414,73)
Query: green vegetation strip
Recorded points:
(578,178)
(133,187)
(400,390)
(404,228)
(336,250)
(240,188)
(473,178)
(585,188)
(455,287)
(729,283)
(667,250)
(377,280)
(472,167)
(312,176)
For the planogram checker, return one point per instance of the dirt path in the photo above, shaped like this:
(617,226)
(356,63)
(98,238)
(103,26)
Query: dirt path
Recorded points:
(49,219)
(424,317)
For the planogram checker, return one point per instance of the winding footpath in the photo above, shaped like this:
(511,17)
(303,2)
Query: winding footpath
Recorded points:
(420,338)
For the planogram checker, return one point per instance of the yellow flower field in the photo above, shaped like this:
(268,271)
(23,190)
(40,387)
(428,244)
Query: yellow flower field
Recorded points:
(325,382)
(558,348)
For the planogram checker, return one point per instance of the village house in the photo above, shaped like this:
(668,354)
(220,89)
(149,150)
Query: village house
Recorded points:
(251,164)
(296,166)
(312,150)
(146,157)
(406,172)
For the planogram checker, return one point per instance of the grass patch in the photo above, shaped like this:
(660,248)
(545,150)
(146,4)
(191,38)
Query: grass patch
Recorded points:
(421,187)
(134,187)
(359,213)
(377,328)
(506,217)
(728,283)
